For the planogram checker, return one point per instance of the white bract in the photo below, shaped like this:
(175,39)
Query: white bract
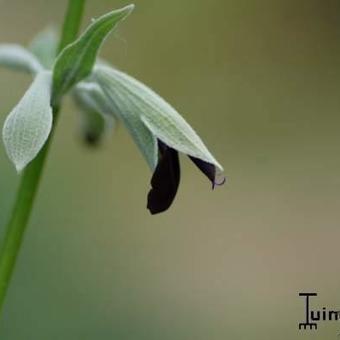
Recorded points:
(18,58)
(28,126)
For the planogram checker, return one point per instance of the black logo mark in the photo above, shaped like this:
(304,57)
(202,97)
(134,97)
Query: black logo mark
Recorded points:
(312,317)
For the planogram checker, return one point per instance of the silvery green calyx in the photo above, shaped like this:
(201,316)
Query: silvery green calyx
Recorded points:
(104,95)
(160,132)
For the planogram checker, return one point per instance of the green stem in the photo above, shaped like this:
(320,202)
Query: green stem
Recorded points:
(32,174)
(72,22)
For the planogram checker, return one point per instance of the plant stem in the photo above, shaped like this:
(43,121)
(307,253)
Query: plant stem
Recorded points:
(32,174)
(72,22)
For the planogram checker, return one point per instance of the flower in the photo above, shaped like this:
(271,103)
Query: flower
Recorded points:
(159,131)
(103,94)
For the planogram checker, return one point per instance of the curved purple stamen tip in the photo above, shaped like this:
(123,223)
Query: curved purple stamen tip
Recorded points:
(219,183)
(209,170)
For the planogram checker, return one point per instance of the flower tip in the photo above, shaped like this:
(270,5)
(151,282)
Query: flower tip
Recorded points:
(19,167)
(219,182)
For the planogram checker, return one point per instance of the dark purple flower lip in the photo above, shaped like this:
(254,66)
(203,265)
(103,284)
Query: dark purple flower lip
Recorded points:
(166,178)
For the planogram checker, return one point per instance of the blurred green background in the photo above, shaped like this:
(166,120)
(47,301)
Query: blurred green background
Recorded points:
(259,80)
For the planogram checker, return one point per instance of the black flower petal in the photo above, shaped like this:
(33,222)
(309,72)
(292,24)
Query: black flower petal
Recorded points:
(165,180)
(208,169)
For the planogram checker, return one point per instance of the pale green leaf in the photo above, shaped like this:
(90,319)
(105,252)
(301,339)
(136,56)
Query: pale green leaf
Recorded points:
(18,58)
(76,61)
(44,47)
(135,99)
(28,126)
